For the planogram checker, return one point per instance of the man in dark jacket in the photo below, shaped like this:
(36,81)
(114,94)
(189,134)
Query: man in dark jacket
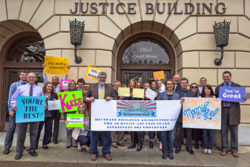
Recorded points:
(230,118)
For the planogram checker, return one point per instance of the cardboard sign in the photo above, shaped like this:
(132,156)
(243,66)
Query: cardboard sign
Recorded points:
(54,105)
(158,75)
(202,113)
(30,109)
(233,94)
(75,121)
(92,72)
(70,100)
(150,94)
(56,65)
(138,93)
(123,92)
(64,84)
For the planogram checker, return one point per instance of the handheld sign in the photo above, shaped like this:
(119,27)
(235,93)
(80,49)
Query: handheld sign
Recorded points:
(30,109)
(70,100)
(150,94)
(158,75)
(56,65)
(125,92)
(92,72)
(54,105)
(64,84)
(233,94)
(138,93)
(75,121)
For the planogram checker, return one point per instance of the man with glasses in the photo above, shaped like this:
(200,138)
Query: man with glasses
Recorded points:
(30,89)
(101,90)
(203,82)
(12,121)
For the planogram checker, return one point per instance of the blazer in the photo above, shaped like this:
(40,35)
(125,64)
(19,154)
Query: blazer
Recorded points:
(164,96)
(234,109)
(109,91)
(52,112)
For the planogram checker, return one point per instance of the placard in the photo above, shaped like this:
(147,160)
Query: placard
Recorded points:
(233,94)
(202,113)
(92,72)
(30,109)
(75,121)
(65,84)
(134,115)
(70,100)
(56,65)
(54,105)
(138,93)
(150,94)
(158,75)
(123,92)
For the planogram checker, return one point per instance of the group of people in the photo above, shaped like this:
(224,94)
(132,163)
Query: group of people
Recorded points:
(172,89)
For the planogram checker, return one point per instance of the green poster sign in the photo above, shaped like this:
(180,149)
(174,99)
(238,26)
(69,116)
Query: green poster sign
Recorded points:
(75,121)
(70,100)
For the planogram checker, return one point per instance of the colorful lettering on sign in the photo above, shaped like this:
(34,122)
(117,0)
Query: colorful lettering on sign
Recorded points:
(70,100)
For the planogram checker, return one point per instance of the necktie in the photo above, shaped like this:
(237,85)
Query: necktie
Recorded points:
(31,90)
(101,93)
(227,103)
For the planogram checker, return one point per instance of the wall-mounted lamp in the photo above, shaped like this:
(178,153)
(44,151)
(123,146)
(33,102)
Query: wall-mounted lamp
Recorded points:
(76,33)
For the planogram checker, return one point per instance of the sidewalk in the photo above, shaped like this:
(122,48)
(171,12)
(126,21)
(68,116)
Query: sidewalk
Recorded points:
(58,155)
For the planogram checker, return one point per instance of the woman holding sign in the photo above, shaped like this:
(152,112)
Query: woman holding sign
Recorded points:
(167,137)
(49,94)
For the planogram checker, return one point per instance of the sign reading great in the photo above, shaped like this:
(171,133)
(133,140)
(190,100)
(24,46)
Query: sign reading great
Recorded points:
(233,94)
(150,8)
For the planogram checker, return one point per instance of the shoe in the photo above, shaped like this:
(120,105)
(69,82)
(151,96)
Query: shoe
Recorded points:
(164,156)
(108,157)
(223,153)
(151,144)
(120,144)
(138,147)
(196,146)
(114,145)
(33,153)
(93,157)
(209,151)
(177,150)
(68,146)
(7,151)
(235,154)
(79,148)
(45,147)
(205,151)
(171,156)
(55,142)
(190,151)
(131,146)
(18,156)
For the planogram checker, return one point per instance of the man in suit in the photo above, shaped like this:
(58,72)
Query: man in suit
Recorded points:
(177,85)
(183,92)
(230,118)
(203,82)
(101,90)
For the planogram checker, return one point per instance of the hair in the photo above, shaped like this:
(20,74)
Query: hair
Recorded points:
(77,112)
(117,81)
(197,90)
(211,91)
(227,72)
(152,82)
(73,83)
(146,83)
(132,80)
(102,73)
(203,78)
(81,80)
(31,73)
(176,74)
(184,79)
(45,86)
(170,81)
(55,77)
(21,71)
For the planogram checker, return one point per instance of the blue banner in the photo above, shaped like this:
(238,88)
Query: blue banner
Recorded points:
(233,94)
(30,109)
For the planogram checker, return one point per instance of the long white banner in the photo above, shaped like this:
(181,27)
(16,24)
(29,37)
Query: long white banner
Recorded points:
(133,115)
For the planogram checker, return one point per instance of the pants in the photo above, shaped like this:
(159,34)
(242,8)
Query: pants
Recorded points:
(106,142)
(208,138)
(47,131)
(117,137)
(167,141)
(83,140)
(10,133)
(151,135)
(224,132)
(21,135)
(137,137)
(178,136)
(70,140)
(56,119)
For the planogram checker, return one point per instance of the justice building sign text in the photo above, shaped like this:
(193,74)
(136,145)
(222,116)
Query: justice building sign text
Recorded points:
(150,8)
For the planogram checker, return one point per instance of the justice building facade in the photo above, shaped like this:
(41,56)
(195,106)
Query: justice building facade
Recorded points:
(127,39)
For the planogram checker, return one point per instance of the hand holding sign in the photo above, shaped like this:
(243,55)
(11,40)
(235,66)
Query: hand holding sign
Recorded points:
(92,72)
(158,75)
(124,92)
(75,121)
(138,93)
(233,94)
(150,94)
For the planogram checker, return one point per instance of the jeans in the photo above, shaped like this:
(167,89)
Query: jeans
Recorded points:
(10,133)
(151,135)
(106,142)
(167,139)
(83,140)
(208,138)
(47,130)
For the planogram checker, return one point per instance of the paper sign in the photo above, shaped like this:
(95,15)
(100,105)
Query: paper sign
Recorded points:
(134,115)
(30,109)
(202,113)
(56,65)
(123,92)
(138,93)
(54,105)
(158,75)
(70,100)
(92,72)
(150,94)
(233,94)
(64,84)
(75,121)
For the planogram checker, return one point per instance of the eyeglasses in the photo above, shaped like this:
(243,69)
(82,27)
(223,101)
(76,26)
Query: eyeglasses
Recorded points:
(194,87)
